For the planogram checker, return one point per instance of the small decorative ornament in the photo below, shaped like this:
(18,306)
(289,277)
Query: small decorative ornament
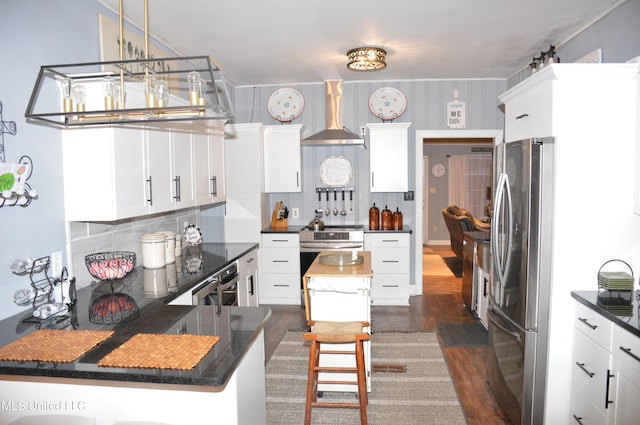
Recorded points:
(456,112)
(192,235)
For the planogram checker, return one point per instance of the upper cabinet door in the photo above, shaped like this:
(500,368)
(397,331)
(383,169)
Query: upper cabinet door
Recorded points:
(389,157)
(282,159)
(104,174)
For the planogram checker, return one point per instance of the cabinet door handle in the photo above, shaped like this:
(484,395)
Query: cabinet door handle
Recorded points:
(578,419)
(607,402)
(250,260)
(586,322)
(150,199)
(297,179)
(484,289)
(251,285)
(176,180)
(628,351)
(214,186)
(585,370)
(372,180)
(519,117)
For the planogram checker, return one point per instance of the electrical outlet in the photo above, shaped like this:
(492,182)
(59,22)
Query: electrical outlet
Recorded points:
(295,213)
(435,229)
(408,196)
(56,264)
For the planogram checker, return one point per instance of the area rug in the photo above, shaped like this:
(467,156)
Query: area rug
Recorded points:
(470,335)
(421,393)
(454,264)
(434,265)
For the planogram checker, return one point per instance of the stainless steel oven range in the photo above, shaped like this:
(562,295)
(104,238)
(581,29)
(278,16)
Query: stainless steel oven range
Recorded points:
(219,289)
(331,238)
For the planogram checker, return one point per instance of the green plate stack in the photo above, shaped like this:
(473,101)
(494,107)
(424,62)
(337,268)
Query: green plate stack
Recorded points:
(615,281)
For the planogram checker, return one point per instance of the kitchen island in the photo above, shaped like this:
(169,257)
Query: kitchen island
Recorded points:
(340,293)
(225,387)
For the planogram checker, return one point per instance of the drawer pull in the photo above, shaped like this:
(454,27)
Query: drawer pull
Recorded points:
(607,402)
(578,419)
(390,286)
(584,369)
(390,240)
(628,351)
(586,322)
(281,285)
(519,117)
(280,261)
(390,261)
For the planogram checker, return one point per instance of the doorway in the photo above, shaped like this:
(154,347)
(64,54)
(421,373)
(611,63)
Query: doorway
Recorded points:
(421,205)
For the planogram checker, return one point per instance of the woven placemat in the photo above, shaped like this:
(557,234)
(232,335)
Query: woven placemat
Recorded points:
(56,346)
(158,351)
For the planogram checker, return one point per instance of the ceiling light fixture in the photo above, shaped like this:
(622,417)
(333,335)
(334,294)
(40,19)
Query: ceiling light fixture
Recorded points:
(133,92)
(366,59)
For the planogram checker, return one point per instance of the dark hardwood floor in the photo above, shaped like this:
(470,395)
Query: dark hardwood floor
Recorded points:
(440,302)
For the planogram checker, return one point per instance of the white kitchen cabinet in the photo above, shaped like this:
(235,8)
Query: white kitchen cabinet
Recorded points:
(605,371)
(248,279)
(112,173)
(280,281)
(626,372)
(389,157)
(390,262)
(103,174)
(246,209)
(209,166)
(282,158)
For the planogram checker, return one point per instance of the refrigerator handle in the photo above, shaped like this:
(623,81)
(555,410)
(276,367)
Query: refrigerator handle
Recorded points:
(514,335)
(501,251)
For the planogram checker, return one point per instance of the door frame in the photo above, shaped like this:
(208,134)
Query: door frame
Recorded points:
(496,135)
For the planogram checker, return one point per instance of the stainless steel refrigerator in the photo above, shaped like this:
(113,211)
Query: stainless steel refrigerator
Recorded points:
(518,312)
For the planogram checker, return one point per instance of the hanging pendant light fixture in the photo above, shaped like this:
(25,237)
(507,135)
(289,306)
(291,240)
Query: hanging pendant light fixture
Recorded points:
(366,59)
(137,91)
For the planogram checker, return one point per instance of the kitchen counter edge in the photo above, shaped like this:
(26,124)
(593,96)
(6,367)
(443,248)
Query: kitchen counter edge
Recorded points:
(628,323)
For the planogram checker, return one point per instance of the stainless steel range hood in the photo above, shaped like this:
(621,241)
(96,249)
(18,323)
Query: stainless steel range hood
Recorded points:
(335,133)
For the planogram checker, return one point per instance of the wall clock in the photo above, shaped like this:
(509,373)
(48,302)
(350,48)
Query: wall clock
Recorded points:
(438,170)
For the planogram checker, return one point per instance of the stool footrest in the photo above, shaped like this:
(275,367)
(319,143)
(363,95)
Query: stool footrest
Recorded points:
(339,382)
(336,369)
(340,405)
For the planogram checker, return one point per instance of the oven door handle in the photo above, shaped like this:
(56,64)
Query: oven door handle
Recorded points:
(323,246)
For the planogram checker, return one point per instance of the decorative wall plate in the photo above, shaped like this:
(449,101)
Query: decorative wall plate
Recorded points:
(335,171)
(192,235)
(387,103)
(285,104)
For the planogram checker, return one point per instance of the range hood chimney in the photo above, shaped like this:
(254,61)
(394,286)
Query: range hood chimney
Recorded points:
(335,133)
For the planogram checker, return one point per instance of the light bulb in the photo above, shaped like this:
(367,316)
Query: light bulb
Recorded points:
(79,95)
(108,85)
(149,83)
(67,102)
(202,91)
(193,79)
(161,91)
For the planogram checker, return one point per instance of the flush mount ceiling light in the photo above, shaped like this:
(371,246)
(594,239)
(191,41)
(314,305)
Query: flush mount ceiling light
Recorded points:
(366,59)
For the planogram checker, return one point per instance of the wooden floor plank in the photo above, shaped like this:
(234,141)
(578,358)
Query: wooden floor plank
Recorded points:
(440,302)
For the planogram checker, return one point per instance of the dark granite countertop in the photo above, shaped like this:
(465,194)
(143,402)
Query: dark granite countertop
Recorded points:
(237,327)
(625,303)
(289,229)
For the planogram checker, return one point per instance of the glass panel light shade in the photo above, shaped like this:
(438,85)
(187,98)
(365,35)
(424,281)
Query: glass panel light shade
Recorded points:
(366,59)
(108,84)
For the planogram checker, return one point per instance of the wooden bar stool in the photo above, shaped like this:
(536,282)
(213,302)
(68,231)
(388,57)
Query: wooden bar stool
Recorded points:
(336,333)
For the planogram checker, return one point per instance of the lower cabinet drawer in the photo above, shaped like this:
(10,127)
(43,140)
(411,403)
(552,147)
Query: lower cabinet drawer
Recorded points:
(582,411)
(390,289)
(590,369)
(626,348)
(281,260)
(280,288)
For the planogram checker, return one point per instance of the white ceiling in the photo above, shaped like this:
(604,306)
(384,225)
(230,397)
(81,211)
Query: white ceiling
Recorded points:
(296,41)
